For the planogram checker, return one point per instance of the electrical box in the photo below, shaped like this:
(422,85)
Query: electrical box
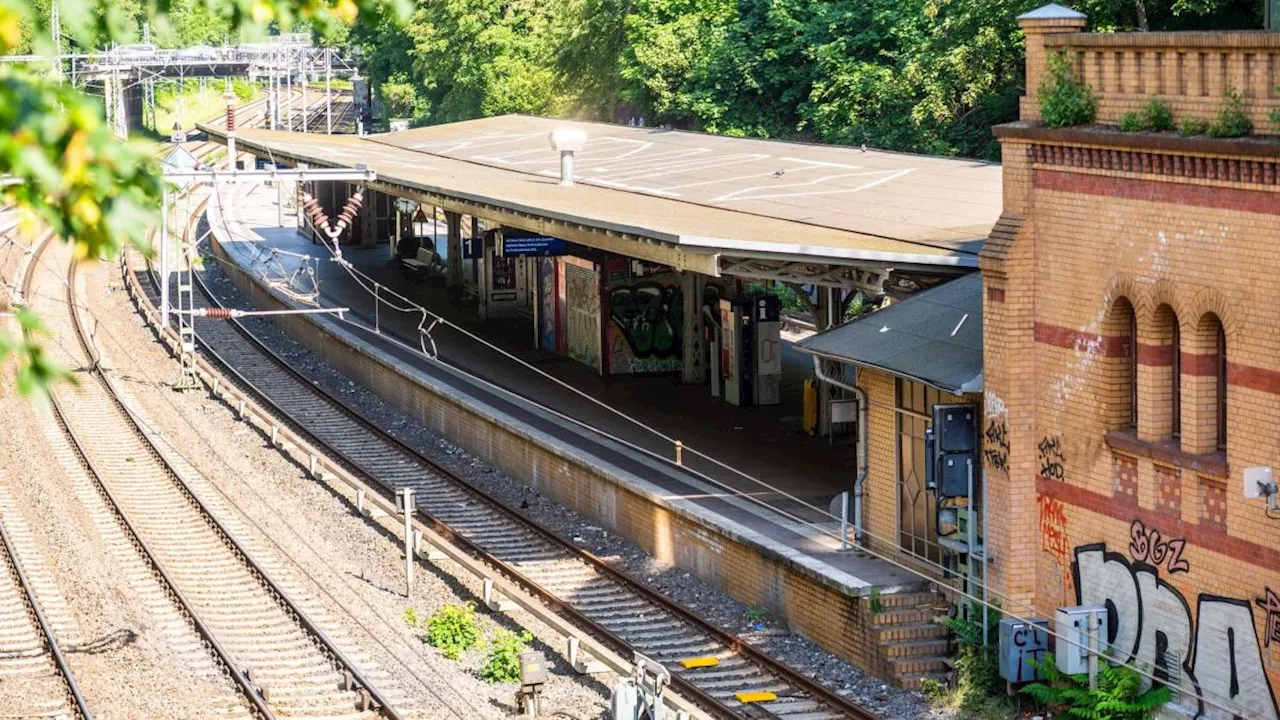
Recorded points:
(1071,624)
(1021,644)
(956,428)
(954,473)
(768,349)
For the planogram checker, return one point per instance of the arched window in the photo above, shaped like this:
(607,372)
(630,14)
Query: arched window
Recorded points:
(1222,388)
(1120,331)
(1204,381)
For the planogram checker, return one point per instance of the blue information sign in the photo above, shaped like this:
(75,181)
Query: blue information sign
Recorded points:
(538,245)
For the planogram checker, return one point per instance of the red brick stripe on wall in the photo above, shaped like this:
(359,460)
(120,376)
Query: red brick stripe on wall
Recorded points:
(1267,381)
(1155,355)
(1222,198)
(1070,339)
(1209,537)
(1200,365)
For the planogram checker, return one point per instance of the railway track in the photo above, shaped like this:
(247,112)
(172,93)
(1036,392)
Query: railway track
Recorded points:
(612,606)
(35,678)
(275,654)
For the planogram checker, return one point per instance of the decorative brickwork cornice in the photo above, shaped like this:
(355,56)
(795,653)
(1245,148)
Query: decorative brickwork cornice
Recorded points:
(1108,137)
(1181,166)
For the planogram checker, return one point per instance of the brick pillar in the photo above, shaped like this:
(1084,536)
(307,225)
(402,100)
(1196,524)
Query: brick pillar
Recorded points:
(1036,26)
(453,267)
(1156,350)
(1008,431)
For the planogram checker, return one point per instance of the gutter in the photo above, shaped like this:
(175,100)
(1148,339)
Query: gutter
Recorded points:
(864,465)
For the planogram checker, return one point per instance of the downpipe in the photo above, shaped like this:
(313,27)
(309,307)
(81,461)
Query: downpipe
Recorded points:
(863,455)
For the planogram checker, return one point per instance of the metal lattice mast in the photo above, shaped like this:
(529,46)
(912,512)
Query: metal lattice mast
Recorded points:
(328,91)
(55,27)
(189,379)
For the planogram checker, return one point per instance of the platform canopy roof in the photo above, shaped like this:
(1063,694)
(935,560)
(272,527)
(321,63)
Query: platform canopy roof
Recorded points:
(701,194)
(934,337)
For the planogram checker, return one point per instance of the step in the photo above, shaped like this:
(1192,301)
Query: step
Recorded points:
(915,681)
(912,665)
(902,616)
(911,631)
(915,648)
(910,600)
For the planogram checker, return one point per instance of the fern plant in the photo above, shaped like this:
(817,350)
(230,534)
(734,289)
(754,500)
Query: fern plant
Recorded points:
(1119,695)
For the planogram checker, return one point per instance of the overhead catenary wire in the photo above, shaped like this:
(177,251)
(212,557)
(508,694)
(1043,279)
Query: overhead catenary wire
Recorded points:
(364,281)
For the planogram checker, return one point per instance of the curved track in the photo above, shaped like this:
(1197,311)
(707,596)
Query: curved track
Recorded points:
(32,660)
(275,655)
(609,604)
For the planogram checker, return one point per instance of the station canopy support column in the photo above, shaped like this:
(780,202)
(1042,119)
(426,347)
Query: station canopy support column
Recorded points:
(453,266)
(694,368)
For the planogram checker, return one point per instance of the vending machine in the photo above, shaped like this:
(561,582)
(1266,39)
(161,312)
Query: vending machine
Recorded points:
(767,332)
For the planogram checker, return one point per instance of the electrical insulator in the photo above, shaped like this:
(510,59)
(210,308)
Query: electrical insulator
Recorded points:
(218,313)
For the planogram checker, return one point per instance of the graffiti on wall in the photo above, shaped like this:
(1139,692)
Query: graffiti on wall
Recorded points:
(1053,461)
(1056,545)
(1270,604)
(1146,545)
(996,444)
(1212,653)
(646,324)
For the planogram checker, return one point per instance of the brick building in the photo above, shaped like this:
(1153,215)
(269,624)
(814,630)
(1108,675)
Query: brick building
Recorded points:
(1132,360)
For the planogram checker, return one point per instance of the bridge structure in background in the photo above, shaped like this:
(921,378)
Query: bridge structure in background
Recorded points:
(125,76)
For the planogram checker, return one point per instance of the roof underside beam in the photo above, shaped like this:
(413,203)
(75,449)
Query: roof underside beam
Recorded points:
(635,246)
(849,277)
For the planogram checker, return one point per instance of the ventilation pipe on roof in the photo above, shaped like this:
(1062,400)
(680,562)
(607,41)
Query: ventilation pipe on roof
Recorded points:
(863,461)
(567,141)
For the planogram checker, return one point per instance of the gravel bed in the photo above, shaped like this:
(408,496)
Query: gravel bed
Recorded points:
(127,661)
(711,603)
(352,564)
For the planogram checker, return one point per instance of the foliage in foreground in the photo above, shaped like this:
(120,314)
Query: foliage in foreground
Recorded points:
(502,663)
(979,690)
(63,168)
(1119,696)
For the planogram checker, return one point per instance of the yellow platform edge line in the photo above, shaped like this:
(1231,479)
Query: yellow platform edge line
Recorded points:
(754,697)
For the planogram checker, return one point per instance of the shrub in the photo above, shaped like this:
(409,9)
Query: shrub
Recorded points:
(1119,695)
(502,664)
(1274,117)
(1231,122)
(1157,116)
(1130,122)
(452,630)
(1193,126)
(1065,99)
(979,690)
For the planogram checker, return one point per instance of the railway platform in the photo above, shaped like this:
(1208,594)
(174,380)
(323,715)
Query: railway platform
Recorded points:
(770,548)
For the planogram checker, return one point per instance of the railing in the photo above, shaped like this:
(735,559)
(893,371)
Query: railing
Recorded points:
(1190,71)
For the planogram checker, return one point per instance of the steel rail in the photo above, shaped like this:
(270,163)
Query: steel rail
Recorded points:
(735,644)
(257,706)
(319,638)
(78,703)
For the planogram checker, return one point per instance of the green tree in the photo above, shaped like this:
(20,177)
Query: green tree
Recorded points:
(63,168)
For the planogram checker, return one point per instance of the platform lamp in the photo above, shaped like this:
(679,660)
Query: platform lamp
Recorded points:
(567,141)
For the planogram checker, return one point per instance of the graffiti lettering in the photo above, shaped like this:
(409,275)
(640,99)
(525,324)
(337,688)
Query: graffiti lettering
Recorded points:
(1052,461)
(1271,604)
(1150,623)
(996,450)
(1053,527)
(1146,545)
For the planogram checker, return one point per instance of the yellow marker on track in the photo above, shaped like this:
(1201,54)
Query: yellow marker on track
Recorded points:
(755,697)
(700,662)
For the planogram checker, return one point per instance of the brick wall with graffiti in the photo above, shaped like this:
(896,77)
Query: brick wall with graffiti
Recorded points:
(646,319)
(1129,351)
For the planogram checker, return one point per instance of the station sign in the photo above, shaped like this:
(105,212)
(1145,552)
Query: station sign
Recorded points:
(529,246)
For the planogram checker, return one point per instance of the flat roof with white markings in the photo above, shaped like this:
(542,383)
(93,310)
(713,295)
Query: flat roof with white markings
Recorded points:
(700,193)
